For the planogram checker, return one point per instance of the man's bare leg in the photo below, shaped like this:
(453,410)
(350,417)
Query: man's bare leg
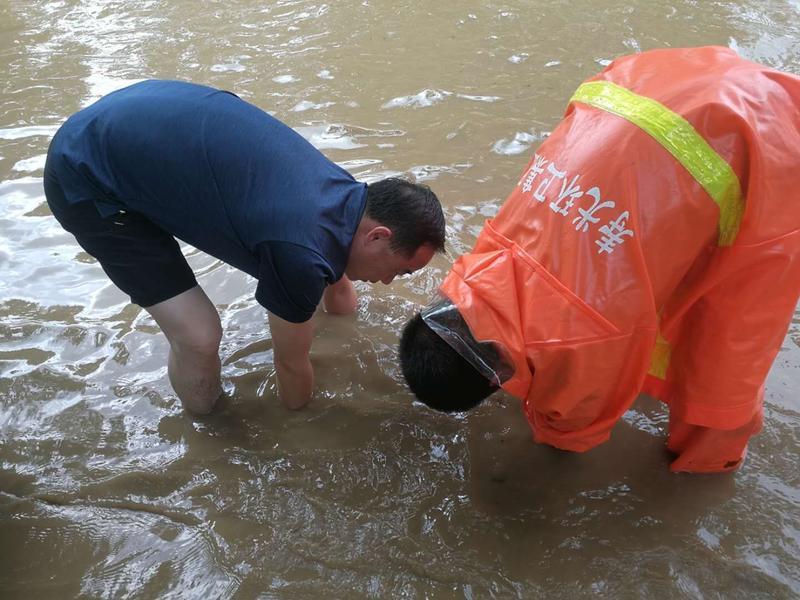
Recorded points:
(192,326)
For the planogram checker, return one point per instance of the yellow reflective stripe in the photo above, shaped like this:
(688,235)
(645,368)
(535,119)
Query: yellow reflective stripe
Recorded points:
(659,361)
(681,140)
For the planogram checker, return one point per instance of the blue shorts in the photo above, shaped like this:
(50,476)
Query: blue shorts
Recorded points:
(142,260)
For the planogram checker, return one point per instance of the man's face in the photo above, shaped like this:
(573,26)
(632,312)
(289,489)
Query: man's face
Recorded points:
(377,261)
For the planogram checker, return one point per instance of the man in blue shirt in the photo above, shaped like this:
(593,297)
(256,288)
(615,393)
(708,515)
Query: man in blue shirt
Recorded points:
(161,160)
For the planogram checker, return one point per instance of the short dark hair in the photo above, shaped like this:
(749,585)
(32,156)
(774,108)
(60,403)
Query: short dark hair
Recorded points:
(411,210)
(438,375)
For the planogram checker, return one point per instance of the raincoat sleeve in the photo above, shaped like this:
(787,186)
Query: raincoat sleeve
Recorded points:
(575,371)
(582,388)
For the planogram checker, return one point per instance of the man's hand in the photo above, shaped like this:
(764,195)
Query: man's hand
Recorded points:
(340,298)
(291,343)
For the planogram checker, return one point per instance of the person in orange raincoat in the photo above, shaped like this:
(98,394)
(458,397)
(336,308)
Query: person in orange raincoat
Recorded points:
(652,244)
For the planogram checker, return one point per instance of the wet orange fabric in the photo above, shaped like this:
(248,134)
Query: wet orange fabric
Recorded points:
(608,253)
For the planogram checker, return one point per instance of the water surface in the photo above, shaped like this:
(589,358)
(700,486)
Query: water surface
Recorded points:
(107,489)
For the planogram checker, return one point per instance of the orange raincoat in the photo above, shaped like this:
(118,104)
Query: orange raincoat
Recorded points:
(652,244)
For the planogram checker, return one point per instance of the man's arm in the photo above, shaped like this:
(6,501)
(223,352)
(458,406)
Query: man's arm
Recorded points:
(291,344)
(340,298)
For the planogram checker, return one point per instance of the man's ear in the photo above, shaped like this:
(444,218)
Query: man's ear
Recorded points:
(379,232)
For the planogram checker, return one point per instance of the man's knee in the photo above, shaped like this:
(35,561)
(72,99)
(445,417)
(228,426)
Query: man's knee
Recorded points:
(190,322)
(200,342)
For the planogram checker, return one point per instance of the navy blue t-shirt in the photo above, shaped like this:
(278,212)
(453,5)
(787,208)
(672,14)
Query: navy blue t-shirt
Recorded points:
(221,175)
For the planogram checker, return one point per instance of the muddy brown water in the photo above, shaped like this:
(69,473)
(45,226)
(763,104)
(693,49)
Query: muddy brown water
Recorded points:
(108,490)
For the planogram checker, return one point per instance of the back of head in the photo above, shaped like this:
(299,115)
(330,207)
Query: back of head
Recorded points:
(437,374)
(411,210)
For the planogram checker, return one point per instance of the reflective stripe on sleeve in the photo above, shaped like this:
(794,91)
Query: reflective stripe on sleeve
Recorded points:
(681,140)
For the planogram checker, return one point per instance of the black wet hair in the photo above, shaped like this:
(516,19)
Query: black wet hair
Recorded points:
(439,376)
(411,210)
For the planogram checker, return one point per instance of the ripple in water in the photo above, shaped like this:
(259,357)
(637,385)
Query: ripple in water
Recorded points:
(428,97)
